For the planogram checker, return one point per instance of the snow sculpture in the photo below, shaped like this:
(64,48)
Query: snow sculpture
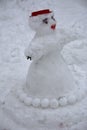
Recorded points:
(48,77)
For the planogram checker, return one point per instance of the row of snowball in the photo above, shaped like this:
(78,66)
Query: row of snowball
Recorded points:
(52,103)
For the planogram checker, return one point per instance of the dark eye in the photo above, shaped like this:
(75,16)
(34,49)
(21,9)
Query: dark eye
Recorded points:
(45,21)
(52,17)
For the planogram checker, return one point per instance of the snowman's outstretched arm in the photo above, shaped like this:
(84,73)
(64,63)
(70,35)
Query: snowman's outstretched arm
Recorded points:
(66,36)
(34,51)
(27,54)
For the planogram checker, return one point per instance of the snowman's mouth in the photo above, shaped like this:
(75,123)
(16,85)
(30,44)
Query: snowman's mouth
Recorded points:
(53,26)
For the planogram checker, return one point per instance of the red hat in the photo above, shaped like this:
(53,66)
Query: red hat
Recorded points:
(36,18)
(40,12)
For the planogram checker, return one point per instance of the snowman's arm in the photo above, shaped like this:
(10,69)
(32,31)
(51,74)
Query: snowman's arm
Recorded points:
(67,37)
(34,51)
(28,52)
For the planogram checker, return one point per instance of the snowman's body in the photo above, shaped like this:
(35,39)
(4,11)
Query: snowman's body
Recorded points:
(48,75)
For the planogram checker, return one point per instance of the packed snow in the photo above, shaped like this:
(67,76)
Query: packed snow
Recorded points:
(15,35)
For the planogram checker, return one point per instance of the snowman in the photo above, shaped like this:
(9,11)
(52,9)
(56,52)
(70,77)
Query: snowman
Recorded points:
(48,75)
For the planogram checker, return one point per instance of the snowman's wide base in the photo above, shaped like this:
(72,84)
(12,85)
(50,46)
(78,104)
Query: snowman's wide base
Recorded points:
(71,98)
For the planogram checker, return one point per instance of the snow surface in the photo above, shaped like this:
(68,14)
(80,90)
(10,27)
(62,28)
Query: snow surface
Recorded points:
(15,36)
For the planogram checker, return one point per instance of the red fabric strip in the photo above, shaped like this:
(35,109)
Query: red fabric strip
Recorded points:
(46,11)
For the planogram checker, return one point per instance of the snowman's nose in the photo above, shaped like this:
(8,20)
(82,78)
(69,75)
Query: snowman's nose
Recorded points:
(53,26)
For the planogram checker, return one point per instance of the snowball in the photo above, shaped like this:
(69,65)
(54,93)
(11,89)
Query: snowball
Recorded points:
(81,94)
(54,103)
(19,92)
(22,96)
(28,101)
(36,102)
(45,103)
(62,101)
(71,99)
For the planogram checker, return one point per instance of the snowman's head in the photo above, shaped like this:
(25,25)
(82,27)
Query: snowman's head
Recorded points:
(42,21)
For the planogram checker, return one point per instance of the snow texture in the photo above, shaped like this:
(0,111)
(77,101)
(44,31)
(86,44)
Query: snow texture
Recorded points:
(15,36)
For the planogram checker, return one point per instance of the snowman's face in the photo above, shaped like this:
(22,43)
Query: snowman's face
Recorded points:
(43,23)
(50,22)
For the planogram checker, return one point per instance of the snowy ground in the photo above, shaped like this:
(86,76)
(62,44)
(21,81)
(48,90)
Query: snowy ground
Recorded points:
(15,36)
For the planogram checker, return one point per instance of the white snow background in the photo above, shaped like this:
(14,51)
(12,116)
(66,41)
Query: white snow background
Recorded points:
(15,35)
